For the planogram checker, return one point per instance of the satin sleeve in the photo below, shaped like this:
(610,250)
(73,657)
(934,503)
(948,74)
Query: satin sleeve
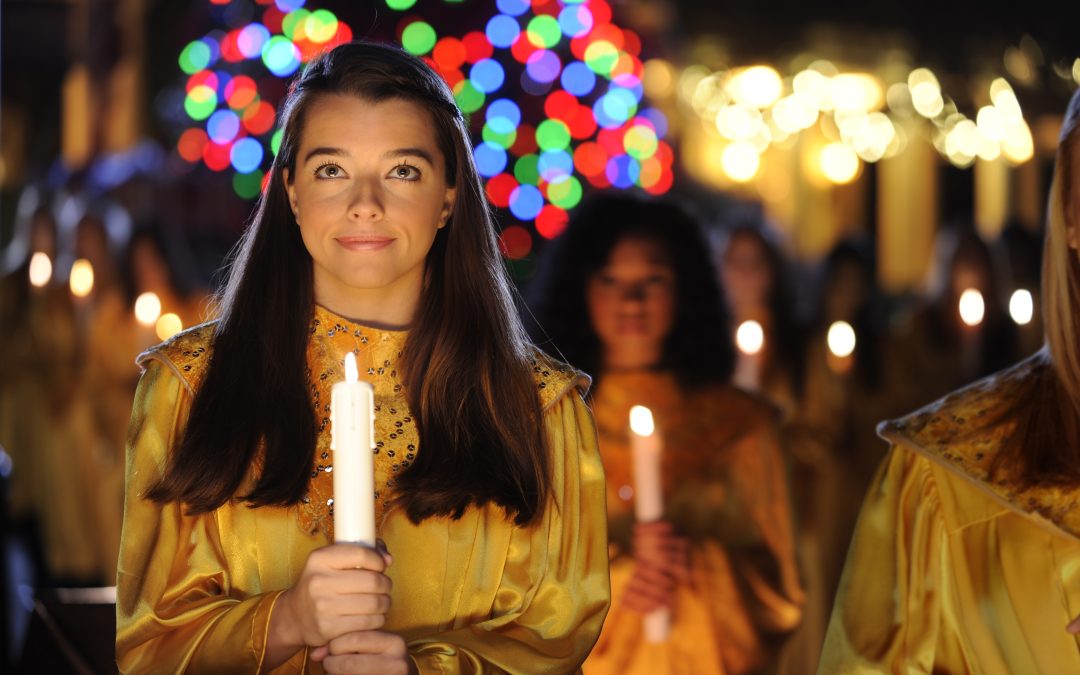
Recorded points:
(554,590)
(174,607)
(887,614)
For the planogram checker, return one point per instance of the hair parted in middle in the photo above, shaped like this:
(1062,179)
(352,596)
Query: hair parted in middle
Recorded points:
(467,359)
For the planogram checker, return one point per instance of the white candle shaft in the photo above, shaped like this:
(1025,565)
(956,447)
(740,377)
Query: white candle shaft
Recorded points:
(649,507)
(648,494)
(352,440)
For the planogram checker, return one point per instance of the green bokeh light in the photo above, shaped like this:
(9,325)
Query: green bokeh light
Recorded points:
(418,38)
(504,141)
(469,98)
(194,57)
(552,134)
(565,194)
(247,185)
(527,169)
(543,31)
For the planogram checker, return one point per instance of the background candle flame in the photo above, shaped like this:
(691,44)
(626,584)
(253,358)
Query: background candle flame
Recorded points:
(641,421)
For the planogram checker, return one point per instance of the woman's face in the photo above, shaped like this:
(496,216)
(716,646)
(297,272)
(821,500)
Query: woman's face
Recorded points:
(632,301)
(369,193)
(746,274)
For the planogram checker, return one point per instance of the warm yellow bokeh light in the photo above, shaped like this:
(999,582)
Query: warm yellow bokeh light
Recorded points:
(147,308)
(658,78)
(756,86)
(641,421)
(168,325)
(841,339)
(740,161)
(856,91)
(815,86)
(82,278)
(972,308)
(1021,307)
(926,97)
(40,269)
(1018,145)
(839,163)
(750,337)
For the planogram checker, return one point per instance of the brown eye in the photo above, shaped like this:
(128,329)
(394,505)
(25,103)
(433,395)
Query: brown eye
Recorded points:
(405,172)
(329,171)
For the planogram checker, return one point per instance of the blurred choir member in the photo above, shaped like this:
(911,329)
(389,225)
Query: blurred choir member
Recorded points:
(965,557)
(43,418)
(965,332)
(843,397)
(629,294)
(756,281)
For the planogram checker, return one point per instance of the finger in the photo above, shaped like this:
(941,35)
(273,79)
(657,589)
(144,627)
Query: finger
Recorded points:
(636,602)
(346,556)
(1074,626)
(357,581)
(319,653)
(652,592)
(331,628)
(380,546)
(656,575)
(368,642)
(365,664)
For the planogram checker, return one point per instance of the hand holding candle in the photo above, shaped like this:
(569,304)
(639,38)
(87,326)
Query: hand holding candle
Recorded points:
(646,447)
(352,439)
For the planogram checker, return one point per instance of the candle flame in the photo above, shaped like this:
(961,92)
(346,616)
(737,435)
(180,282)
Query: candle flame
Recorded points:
(147,308)
(82,278)
(351,374)
(168,325)
(1022,307)
(40,269)
(641,421)
(972,307)
(750,337)
(841,339)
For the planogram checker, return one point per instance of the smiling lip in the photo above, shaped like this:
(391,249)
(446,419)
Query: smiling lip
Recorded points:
(365,243)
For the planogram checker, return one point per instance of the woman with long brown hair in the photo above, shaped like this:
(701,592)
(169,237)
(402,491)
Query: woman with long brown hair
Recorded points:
(965,557)
(372,237)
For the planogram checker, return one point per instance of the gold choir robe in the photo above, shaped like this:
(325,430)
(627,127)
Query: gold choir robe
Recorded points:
(725,488)
(473,595)
(950,571)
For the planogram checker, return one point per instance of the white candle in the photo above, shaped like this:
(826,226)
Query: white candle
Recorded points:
(352,439)
(646,447)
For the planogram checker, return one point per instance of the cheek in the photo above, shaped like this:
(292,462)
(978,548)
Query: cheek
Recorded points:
(599,306)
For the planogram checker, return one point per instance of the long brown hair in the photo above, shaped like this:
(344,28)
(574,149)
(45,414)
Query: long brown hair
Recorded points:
(468,375)
(1046,443)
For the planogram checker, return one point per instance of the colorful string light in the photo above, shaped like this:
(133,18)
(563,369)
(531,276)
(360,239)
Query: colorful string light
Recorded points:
(558,87)
(235,123)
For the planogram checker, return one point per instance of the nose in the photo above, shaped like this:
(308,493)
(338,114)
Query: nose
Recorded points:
(634,293)
(366,203)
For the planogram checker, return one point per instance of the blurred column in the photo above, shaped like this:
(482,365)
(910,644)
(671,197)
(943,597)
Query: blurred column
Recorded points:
(123,121)
(992,197)
(907,213)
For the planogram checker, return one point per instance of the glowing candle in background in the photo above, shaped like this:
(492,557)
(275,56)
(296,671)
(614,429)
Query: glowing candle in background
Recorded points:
(646,447)
(972,307)
(841,342)
(352,439)
(168,325)
(82,278)
(1021,307)
(147,309)
(750,340)
(40,269)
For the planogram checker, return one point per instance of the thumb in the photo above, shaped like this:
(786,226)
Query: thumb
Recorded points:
(320,653)
(380,546)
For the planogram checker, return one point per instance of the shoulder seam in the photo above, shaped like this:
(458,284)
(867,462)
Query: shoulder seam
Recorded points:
(156,355)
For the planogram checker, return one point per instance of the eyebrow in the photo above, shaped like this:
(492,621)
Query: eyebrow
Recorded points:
(397,152)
